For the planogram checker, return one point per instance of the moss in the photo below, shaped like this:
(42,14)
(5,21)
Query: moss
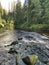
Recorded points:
(16,60)
(30,60)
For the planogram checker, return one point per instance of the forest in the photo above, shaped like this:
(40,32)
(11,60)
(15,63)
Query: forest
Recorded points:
(24,33)
(33,16)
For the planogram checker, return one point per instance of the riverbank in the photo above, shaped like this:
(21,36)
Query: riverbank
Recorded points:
(34,27)
(39,28)
(2,33)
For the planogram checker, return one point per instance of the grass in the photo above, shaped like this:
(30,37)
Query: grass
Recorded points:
(2,30)
(27,26)
(34,27)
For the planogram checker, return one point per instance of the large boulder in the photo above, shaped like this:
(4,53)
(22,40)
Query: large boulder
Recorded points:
(30,60)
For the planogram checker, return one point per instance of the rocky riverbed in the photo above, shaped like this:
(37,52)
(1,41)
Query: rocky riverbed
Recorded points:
(18,46)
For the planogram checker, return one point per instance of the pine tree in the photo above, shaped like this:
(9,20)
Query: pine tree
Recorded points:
(25,6)
(18,13)
(1,10)
(43,18)
(28,9)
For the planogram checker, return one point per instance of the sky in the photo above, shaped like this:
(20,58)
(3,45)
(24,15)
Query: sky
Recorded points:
(5,3)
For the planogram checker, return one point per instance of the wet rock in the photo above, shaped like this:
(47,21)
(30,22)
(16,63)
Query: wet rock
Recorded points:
(42,52)
(12,51)
(10,62)
(14,43)
(20,38)
(46,52)
(47,46)
(29,37)
(39,63)
(43,58)
(27,44)
(47,63)
(30,60)
(21,62)
(0,63)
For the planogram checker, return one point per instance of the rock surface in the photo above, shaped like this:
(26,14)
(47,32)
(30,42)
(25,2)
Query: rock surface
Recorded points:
(31,43)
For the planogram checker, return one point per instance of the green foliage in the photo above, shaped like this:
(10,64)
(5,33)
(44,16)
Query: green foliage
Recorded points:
(2,23)
(18,14)
(0,10)
(34,14)
(30,60)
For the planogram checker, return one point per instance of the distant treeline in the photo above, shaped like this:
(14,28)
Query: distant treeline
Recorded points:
(34,15)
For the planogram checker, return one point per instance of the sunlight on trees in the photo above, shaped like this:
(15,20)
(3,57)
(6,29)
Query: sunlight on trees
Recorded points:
(33,12)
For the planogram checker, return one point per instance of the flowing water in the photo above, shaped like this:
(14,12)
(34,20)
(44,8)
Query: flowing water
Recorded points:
(33,38)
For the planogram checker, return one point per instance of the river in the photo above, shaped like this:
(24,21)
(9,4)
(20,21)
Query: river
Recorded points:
(8,37)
